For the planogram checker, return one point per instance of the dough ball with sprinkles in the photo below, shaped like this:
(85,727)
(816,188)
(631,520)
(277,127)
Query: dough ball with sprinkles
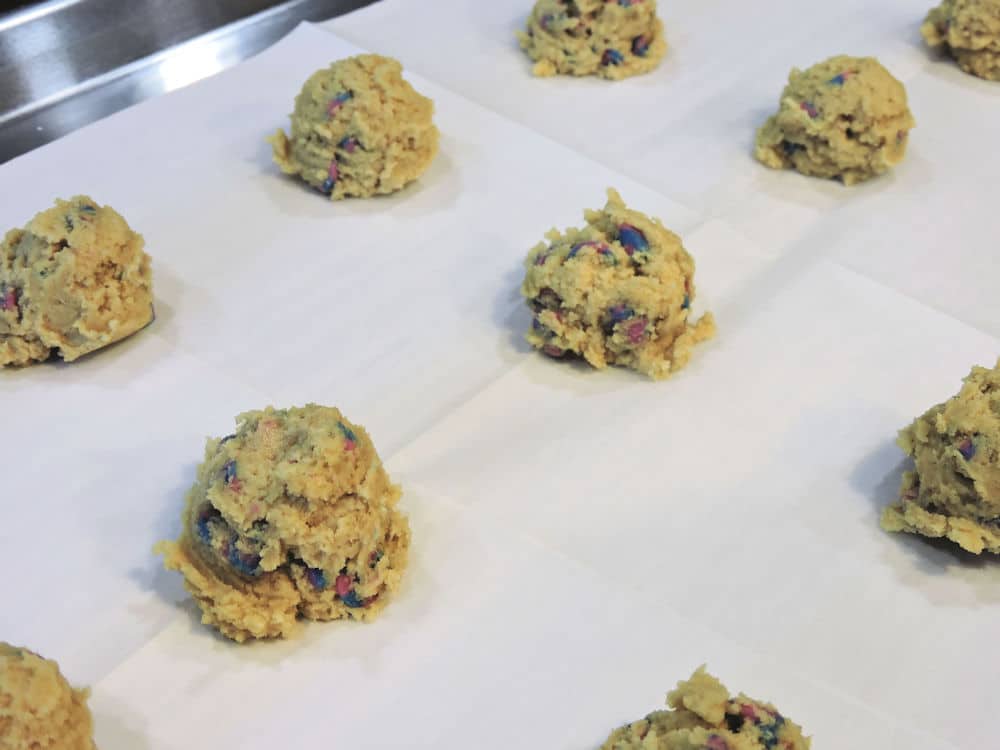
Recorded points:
(358,129)
(703,715)
(612,39)
(74,280)
(291,516)
(616,292)
(38,707)
(953,491)
(845,118)
(969,30)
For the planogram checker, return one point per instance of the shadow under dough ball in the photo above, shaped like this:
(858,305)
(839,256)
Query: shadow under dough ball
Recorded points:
(38,708)
(703,715)
(612,39)
(969,30)
(74,280)
(845,118)
(954,488)
(358,130)
(291,516)
(618,291)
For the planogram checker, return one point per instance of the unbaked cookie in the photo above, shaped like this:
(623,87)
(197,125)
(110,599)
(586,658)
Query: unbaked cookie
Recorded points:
(846,117)
(954,489)
(38,708)
(618,291)
(293,515)
(358,130)
(705,717)
(970,31)
(609,38)
(75,279)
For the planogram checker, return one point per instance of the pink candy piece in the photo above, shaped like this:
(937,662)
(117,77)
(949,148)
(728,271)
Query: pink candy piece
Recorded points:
(715,742)
(809,109)
(636,331)
(334,170)
(9,300)
(553,351)
(344,584)
(236,485)
(349,445)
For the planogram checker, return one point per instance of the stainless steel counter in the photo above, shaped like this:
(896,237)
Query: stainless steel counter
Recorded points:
(66,63)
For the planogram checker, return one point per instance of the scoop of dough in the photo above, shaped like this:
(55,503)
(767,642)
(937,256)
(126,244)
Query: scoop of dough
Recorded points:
(609,38)
(38,708)
(75,279)
(954,489)
(358,130)
(292,515)
(618,291)
(970,31)
(845,117)
(704,716)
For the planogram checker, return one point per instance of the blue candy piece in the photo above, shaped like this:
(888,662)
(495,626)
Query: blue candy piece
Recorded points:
(327,186)
(621,312)
(640,45)
(351,599)
(537,325)
(85,209)
(612,57)
(246,563)
(967,448)
(229,471)
(769,732)
(687,303)
(316,578)
(347,432)
(204,533)
(632,239)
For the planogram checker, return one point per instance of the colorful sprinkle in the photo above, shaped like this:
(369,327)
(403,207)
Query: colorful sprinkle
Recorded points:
(900,137)
(809,109)
(229,476)
(247,563)
(546,21)
(607,254)
(349,144)
(686,305)
(8,300)
(350,439)
(87,209)
(332,174)
(204,532)
(715,742)
(612,57)
(769,732)
(636,331)
(351,599)
(374,557)
(967,448)
(632,239)
(553,351)
(337,102)
(838,80)
(626,3)
(316,578)
(640,45)
(537,325)
(541,258)
(749,711)
(343,584)
(621,312)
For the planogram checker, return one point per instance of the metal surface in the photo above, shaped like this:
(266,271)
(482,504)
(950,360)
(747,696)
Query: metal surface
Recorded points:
(66,63)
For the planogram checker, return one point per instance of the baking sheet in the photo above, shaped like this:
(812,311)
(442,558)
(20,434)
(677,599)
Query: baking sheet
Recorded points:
(582,540)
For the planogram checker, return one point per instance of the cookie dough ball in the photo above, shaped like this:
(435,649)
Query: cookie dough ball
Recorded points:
(358,130)
(970,31)
(704,716)
(618,291)
(609,38)
(845,117)
(38,708)
(75,279)
(954,489)
(293,515)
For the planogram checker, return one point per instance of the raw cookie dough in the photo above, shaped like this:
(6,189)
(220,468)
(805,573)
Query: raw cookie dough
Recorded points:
(954,490)
(970,31)
(291,515)
(38,708)
(75,279)
(704,715)
(609,38)
(845,117)
(618,291)
(358,130)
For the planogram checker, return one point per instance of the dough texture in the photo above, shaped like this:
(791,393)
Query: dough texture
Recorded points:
(845,117)
(75,279)
(970,31)
(704,716)
(358,130)
(609,38)
(38,708)
(293,515)
(618,291)
(954,489)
